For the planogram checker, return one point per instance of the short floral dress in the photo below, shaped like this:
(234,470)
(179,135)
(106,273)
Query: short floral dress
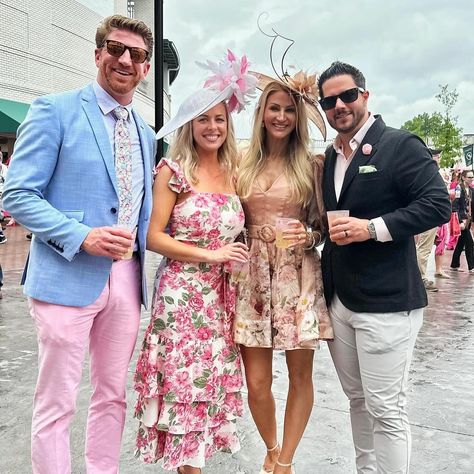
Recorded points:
(188,374)
(281,304)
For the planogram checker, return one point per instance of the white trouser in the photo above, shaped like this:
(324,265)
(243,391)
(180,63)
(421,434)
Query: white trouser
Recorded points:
(372,354)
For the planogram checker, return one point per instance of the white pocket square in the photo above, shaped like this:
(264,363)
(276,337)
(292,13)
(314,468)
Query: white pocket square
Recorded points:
(367,169)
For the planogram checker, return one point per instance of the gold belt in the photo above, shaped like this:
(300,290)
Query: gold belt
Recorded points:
(265,232)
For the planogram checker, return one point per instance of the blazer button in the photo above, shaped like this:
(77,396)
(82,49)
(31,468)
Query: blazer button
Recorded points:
(113,210)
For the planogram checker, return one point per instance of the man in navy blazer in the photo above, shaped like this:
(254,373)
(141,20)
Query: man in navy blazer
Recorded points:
(82,292)
(391,186)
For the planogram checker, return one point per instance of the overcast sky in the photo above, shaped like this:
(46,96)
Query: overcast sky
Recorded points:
(405,48)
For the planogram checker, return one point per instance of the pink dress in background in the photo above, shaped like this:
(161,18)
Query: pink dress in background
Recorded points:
(188,374)
(453,235)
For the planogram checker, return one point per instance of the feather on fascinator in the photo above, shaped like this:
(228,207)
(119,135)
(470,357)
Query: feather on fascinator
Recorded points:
(230,82)
(233,73)
(302,84)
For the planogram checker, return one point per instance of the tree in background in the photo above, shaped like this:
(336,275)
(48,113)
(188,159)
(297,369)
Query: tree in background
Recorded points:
(440,130)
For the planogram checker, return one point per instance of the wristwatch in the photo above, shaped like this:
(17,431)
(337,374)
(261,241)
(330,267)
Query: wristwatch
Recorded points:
(372,231)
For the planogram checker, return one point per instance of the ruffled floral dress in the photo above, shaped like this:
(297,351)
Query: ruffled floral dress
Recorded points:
(281,304)
(188,374)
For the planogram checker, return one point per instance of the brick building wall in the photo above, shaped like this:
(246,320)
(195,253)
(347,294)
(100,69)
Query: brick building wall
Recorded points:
(48,46)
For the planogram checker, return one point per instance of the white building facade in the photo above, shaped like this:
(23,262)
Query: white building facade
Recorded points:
(47,46)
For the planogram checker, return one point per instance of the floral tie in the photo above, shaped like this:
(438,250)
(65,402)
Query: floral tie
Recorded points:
(123,165)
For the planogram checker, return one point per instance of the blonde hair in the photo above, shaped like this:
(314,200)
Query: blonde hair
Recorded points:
(298,166)
(183,151)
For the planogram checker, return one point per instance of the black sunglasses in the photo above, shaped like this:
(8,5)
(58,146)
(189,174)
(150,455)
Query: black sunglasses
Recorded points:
(348,96)
(116,49)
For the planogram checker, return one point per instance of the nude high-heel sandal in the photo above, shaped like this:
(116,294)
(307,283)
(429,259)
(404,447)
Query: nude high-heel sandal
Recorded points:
(287,465)
(263,471)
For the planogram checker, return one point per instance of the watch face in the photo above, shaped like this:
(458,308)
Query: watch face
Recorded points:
(371,229)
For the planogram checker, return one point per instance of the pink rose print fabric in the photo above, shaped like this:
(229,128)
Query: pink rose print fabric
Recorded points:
(188,374)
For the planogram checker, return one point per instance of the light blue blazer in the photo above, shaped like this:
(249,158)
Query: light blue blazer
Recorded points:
(61,182)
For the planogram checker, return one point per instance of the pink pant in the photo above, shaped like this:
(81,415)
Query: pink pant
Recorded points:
(109,326)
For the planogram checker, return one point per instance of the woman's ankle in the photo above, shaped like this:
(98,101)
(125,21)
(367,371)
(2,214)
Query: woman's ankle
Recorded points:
(271,457)
(283,468)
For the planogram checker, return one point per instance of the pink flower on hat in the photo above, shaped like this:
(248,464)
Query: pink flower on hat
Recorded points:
(232,73)
(367,149)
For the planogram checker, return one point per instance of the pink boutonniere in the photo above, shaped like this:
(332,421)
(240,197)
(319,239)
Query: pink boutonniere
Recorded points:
(367,149)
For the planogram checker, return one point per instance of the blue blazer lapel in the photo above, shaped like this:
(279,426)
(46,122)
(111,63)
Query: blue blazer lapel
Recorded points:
(96,121)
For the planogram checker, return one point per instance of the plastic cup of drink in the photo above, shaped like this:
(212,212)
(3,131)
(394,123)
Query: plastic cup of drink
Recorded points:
(239,271)
(333,215)
(281,224)
(133,230)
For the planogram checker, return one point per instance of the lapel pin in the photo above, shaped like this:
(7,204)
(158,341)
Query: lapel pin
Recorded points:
(367,149)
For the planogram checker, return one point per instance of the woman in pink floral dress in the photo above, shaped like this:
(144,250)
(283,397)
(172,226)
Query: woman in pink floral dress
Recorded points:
(281,304)
(188,373)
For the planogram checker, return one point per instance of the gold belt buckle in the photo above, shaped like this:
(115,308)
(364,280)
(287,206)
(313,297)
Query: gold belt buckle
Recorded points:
(266,233)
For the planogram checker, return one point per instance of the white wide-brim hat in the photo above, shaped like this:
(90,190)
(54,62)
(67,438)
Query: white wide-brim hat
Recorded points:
(195,105)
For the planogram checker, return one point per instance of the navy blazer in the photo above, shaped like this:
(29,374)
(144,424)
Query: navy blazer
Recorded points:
(407,191)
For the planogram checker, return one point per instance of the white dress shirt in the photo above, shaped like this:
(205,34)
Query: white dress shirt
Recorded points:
(342,163)
(107,104)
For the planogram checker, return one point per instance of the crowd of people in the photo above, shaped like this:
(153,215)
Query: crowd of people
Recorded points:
(454,235)
(241,275)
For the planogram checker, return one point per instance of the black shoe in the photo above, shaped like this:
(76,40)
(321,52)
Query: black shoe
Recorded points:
(28,236)
(3,239)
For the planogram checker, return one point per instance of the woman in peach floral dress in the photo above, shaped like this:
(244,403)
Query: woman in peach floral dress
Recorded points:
(188,374)
(281,304)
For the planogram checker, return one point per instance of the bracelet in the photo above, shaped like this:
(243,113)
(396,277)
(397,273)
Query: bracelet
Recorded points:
(309,236)
(309,246)
(320,238)
(314,242)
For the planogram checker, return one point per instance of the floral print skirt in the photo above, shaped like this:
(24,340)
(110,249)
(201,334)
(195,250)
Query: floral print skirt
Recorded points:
(281,304)
(188,375)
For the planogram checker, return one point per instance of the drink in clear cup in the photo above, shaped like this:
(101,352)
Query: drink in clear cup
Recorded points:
(332,215)
(281,224)
(133,230)
(239,271)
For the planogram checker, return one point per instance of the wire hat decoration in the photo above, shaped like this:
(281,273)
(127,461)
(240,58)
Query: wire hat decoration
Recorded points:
(275,36)
(302,84)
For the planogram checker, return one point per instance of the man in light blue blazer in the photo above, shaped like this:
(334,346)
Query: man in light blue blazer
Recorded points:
(67,185)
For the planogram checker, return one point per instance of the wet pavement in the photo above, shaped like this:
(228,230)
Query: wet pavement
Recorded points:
(441,406)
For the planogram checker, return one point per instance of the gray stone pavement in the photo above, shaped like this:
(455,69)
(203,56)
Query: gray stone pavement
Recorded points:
(440,394)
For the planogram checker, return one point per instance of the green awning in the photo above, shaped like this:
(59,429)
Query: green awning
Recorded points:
(11,115)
